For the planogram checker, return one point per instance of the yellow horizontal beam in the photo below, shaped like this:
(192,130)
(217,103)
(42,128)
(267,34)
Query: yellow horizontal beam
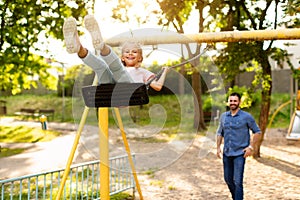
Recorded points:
(225,36)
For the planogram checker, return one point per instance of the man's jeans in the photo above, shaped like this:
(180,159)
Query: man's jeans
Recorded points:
(233,175)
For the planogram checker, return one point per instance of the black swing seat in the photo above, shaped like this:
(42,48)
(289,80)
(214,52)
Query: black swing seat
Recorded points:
(115,95)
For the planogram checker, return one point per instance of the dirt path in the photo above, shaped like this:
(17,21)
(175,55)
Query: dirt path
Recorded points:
(276,175)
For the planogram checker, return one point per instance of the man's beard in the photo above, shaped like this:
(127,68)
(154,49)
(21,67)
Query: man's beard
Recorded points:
(234,107)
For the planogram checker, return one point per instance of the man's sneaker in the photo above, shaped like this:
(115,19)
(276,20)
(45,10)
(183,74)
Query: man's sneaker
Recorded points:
(92,26)
(71,35)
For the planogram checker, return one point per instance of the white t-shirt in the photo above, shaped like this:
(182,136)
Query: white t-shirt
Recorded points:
(139,75)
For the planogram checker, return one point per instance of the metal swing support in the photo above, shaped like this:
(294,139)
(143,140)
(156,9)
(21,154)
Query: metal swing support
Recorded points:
(210,37)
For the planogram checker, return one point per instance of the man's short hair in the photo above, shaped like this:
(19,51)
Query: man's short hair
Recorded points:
(236,94)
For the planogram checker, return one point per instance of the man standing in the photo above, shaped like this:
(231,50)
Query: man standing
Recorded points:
(234,127)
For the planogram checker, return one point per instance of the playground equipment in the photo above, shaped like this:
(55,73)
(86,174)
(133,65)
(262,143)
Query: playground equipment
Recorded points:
(294,128)
(276,112)
(224,36)
(43,120)
(102,97)
(231,36)
(298,100)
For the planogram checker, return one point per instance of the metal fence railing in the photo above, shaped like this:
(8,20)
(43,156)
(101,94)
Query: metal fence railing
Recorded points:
(83,182)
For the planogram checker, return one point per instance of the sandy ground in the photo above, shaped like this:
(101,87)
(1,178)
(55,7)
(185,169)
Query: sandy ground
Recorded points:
(276,175)
(190,174)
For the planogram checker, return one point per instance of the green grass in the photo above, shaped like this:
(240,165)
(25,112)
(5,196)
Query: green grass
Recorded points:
(178,110)
(121,196)
(6,152)
(16,134)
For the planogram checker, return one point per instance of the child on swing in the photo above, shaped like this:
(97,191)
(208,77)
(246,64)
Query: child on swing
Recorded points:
(108,66)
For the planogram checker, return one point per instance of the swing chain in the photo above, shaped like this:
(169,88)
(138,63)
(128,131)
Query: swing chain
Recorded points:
(158,75)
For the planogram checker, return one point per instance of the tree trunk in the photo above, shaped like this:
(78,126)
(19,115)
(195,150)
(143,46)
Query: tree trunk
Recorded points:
(266,100)
(198,116)
(181,81)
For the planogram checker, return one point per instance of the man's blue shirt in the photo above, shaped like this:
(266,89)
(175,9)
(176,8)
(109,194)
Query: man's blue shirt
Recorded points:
(236,131)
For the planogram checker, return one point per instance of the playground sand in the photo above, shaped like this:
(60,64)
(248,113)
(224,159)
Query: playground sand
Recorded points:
(275,175)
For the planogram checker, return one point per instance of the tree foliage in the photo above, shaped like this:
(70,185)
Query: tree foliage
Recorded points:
(22,22)
(239,57)
(291,10)
(235,58)
(173,14)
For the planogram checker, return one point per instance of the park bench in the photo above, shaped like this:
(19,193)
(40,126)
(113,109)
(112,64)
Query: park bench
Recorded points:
(27,112)
(35,113)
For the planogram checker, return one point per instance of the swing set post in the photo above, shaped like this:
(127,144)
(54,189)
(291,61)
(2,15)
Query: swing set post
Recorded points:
(103,152)
(127,148)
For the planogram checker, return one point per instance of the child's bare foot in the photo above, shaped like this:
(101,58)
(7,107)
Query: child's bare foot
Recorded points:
(71,35)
